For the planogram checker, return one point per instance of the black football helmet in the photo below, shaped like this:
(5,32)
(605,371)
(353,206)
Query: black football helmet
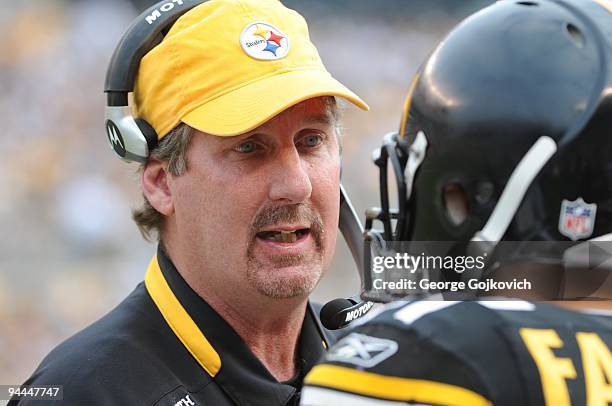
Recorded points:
(506,135)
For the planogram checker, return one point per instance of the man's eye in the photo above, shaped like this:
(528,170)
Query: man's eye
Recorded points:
(246,147)
(312,140)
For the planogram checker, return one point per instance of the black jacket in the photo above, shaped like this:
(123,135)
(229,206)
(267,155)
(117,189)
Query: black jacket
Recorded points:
(132,356)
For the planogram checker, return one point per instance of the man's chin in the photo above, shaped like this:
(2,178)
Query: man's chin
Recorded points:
(285,278)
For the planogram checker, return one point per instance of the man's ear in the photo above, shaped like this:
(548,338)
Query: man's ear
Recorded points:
(155,186)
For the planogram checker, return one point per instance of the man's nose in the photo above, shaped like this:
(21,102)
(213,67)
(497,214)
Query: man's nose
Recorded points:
(289,177)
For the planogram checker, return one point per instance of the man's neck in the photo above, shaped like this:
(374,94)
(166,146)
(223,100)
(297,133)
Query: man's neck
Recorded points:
(273,338)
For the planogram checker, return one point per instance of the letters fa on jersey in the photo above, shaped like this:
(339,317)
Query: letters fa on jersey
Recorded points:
(362,350)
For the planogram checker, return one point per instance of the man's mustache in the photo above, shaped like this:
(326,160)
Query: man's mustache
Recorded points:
(291,213)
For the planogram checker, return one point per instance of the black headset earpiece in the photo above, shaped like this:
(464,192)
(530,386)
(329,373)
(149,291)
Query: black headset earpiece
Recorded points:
(148,131)
(131,138)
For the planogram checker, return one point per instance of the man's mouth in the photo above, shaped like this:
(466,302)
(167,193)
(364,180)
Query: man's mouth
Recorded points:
(283,236)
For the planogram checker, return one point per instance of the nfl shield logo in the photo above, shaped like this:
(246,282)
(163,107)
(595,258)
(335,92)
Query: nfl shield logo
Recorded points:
(577,219)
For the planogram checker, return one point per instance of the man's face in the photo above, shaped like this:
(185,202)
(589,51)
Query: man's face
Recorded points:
(259,211)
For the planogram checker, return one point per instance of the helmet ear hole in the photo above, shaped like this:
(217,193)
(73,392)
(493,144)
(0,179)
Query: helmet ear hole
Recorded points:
(575,35)
(456,205)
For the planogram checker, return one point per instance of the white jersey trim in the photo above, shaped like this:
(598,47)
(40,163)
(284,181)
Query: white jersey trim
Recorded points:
(414,311)
(513,305)
(313,396)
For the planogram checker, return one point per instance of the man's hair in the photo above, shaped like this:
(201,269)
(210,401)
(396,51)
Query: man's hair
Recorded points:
(173,149)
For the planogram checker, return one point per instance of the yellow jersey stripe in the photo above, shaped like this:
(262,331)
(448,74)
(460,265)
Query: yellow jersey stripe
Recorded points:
(393,388)
(179,320)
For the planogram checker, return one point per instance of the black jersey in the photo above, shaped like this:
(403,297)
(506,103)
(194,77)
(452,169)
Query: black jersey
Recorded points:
(468,353)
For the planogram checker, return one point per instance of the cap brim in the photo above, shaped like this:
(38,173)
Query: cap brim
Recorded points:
(250,106)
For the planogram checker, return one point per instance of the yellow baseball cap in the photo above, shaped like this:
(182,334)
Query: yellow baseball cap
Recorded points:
(228,66)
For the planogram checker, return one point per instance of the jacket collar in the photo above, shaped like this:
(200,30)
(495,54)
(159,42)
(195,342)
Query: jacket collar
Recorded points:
(218,349)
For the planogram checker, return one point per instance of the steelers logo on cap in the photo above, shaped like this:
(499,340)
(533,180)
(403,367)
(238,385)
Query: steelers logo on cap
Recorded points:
(264,41)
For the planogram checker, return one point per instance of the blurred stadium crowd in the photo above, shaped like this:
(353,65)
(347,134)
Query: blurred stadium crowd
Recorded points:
(68,248)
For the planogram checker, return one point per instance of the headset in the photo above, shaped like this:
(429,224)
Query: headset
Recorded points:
(133,138)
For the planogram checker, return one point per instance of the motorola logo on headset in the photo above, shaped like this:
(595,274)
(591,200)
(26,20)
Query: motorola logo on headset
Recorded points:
(164,8)
(115,138)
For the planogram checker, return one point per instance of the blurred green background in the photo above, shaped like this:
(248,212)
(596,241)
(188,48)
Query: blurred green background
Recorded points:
(69,251)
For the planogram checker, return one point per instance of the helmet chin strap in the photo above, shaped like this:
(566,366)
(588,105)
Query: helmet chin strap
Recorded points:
(514,192)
